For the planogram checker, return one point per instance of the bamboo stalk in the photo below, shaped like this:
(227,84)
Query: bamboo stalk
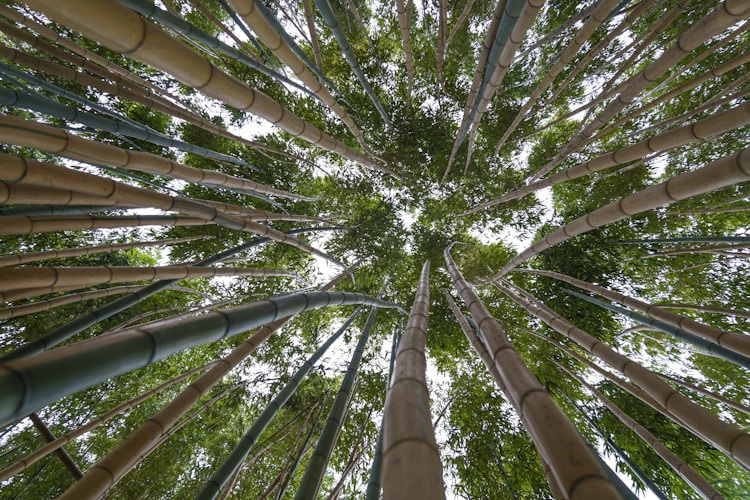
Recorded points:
(114,466)
(573,465)
(411,459)
(725,437)
(726,171)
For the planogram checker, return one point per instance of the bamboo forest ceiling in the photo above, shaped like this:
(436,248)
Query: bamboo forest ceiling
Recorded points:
(541,208)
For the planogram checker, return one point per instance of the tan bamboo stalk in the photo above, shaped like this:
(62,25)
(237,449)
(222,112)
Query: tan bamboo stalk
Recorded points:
(712,126)
(725,437)
(85,54)
(723,16)
(714,211)
(626,386)
(637,12)
(716,397)
(716,72)
(556,34)
(45,305)
(726,171)
(23,224)
(411,459)
(267,34)
(706,53)
(609,89)
(141,96)
(481,351)
(358,19)
(403,24)
(310,17)
(38,277)
(122,30)
(736,342)
(720,249)
(598,16)
(15,130)
(18,169)
(26,258)
(476,82)
(105,473)
(459,22)
(575,468)
(441,45)
(523,23)
(196,4)
(708,309)
(63,455)
(698,482)
(58,443)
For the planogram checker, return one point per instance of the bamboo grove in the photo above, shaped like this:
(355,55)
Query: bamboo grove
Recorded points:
(347,249)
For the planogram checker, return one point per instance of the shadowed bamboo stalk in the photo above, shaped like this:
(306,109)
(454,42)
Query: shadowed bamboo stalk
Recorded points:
(316,467)
(698,482)
(403,24)
(488,44)
(124,31)
(736,342)
(722,17)
(514,38)
(39,277)
(598,16)
(25,258)
(411,459)
(239,453)
(725,437)
(270,32)
(310,17)
(692,250)
(441,45)
(330,19)
(574,467)
(114,466)
(706,392)
(726,171)
(50,447)
(709,309)
(15,130)
(712,126)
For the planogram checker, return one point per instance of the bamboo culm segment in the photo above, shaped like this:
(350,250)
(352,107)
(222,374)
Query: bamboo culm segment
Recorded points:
(34,382)
(234,461)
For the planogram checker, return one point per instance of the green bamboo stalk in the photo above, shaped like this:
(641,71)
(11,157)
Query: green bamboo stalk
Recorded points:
(64,332)
(316,467)
(302,450)
(373,483)
(218,479)
(48,448)
(30,383)
(104,474)
(330,18)
(724,172)
(707,346)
